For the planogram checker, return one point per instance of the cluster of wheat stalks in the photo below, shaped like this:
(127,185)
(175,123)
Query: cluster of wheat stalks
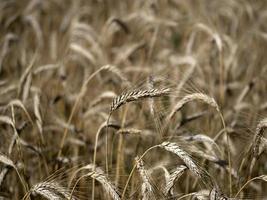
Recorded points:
(108,99)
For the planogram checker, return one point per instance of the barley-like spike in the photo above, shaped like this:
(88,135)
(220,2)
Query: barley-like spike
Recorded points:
(191,97)
(173,177)
(51,190)
(215,194)
(8,162)
(105,182)
(259,133)
(147,189)
(136,95)
(4,159)
(174,148)
(203,138)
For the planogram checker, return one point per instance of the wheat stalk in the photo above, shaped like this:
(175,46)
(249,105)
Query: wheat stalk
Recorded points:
(262,177)
(81,95)
(39,121)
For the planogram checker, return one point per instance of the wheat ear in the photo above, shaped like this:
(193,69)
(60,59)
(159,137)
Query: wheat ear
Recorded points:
(103,180)
(147,189)
(49,190)
(137,95)
(192,97)
(173,177)
(8,162)
(262,125)
(174,148)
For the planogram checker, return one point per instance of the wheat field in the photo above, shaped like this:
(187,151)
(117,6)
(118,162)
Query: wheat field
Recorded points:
(120,99)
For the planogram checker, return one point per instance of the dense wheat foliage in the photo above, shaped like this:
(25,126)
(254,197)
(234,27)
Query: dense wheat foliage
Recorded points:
(124,99)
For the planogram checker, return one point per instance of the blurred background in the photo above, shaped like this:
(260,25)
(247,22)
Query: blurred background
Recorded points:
(55,94)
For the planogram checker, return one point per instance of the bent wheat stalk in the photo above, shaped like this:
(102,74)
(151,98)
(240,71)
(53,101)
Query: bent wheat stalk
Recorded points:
(262,177)
(18,103)
(101,127)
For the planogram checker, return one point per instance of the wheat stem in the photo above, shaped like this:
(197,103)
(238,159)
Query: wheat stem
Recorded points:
(249,181)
